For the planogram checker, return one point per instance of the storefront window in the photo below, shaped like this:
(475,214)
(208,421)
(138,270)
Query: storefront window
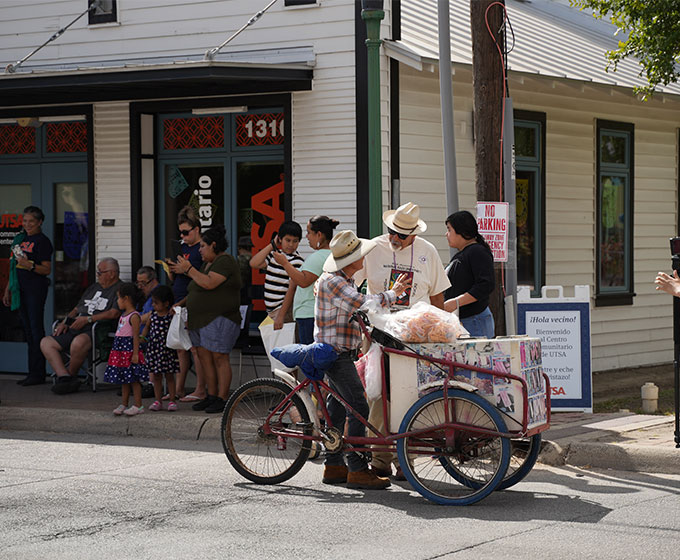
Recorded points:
(614,192)
(529,151)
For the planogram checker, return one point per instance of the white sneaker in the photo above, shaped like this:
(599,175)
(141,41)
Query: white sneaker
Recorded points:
(133,411)
(119,410)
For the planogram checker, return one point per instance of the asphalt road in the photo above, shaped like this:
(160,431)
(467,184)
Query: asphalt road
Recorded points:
(87,497)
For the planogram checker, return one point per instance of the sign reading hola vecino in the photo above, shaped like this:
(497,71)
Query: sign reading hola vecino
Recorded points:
(492,221)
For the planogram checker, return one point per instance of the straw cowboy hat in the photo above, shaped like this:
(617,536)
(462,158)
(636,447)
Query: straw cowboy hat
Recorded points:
(346,248)
(405,219)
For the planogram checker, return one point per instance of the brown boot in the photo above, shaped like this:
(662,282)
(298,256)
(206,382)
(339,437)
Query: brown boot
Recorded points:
(399,475)
(367,480)
(334,474)
(379,471)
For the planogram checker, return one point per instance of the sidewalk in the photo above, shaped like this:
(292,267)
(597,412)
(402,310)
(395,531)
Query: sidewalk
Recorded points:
(624,441)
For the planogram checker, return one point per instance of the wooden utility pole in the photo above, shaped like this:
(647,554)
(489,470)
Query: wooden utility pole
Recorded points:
(487,86)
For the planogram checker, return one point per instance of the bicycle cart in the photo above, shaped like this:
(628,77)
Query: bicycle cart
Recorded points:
(446,416)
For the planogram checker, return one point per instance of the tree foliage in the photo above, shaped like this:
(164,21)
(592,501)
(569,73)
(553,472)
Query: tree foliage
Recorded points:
(652,28)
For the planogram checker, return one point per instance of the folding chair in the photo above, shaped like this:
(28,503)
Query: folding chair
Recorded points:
(103,333)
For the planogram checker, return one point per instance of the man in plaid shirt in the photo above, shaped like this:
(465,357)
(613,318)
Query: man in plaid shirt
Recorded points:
(337,298)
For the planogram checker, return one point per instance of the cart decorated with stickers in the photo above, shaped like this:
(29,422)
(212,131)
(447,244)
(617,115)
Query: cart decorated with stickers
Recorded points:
(464,417)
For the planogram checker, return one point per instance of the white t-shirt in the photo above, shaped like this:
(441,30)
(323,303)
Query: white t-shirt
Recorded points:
(382,266)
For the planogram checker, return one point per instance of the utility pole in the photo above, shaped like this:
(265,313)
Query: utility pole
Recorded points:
(487,86)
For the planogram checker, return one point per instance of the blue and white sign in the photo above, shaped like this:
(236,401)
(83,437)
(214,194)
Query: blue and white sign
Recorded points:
(563,326)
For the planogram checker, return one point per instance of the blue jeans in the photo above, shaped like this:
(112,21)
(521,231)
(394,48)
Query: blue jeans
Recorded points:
(345,381)
(305,330)
(32,313)
(481,324)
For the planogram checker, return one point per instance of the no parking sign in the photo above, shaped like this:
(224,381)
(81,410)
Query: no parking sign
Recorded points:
(492,222)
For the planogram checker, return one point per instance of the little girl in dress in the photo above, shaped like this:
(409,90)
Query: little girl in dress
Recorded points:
(161,360)
(126,362)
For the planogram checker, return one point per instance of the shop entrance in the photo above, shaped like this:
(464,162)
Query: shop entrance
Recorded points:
(61,191)
(230,168)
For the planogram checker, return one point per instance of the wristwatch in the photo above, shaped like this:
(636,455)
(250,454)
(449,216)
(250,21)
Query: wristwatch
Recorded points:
(89,319)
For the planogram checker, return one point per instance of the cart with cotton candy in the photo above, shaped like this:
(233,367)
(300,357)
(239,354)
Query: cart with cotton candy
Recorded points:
(427,352)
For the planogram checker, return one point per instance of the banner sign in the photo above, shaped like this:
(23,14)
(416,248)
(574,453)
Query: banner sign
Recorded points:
(492,221)
(563,326)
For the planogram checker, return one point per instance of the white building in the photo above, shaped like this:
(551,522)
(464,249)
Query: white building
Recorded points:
(111,127)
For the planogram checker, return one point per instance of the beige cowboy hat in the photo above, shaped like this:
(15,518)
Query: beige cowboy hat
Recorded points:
(346,248)
(405,219)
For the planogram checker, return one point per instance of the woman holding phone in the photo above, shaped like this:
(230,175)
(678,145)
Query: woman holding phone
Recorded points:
(190,233)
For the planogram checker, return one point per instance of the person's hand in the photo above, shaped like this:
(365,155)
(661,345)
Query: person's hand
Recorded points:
(135,357)
(7,298)
(278,322)
(79,323)
(61,328)
(401,284)
(178,266)
(24,263)
(668,284)
(280,258)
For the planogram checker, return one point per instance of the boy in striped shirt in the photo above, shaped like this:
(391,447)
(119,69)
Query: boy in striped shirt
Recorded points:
(276,278)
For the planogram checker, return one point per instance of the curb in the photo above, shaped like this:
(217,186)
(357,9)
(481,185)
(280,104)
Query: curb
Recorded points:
(611,456)
(180,427)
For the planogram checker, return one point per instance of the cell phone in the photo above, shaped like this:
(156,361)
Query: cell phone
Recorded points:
(675,245)
(176,248)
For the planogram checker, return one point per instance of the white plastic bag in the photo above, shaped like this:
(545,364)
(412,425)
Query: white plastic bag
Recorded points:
(178,335)
(373,372)
(425,323)
(272,339)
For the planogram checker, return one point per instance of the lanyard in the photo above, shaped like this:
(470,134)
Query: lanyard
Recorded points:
(394,258)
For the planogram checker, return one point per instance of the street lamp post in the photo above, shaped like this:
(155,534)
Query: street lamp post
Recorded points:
(372,13)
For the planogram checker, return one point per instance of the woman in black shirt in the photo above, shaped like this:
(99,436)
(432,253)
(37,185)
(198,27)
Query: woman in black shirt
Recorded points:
(471,274)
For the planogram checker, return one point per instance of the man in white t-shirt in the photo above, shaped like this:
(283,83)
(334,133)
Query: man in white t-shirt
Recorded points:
(401,251)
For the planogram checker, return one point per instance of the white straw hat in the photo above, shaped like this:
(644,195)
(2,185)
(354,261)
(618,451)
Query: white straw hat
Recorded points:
(405,219)
(346,248)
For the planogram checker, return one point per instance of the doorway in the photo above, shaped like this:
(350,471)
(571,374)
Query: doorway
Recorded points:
(61,191)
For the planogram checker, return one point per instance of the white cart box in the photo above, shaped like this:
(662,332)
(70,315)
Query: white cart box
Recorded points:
(410,378)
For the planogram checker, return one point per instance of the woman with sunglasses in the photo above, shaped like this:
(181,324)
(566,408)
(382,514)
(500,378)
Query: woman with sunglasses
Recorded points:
(190,234)
(471,274)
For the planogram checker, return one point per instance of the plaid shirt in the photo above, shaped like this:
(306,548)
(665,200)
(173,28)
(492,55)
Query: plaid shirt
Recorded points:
(336,299)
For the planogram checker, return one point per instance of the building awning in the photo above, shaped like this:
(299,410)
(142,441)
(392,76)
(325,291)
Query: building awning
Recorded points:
(156,80)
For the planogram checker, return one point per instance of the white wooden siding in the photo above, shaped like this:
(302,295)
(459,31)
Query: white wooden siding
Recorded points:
(161,28)
(622,336)
(112,183)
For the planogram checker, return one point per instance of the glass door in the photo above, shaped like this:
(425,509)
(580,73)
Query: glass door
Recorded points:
(66,199)
(199,184)
(19,187)
(60,190)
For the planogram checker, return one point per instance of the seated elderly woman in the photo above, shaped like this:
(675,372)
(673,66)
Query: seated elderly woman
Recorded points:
(74,333)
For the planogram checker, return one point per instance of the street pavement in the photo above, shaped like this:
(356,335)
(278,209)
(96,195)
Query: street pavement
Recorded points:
(622,441)
(79,497)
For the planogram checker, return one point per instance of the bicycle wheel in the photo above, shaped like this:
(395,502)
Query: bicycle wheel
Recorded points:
(259,457)
(477,456)
(523,455)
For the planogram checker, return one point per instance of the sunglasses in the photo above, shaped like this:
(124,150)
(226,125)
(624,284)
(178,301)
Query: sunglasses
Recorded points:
(184,232)
(401,236)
